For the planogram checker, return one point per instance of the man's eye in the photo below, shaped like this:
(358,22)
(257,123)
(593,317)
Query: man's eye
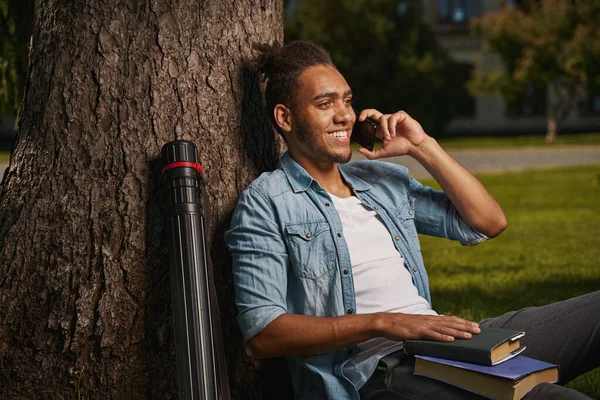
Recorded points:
(348,101)
(325,104)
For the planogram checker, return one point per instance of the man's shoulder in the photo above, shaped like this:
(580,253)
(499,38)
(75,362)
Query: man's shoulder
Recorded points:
(371,171)
(270,183)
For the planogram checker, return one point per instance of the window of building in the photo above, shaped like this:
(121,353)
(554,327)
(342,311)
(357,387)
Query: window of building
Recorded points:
(532,103)
(465,103)
(457,12)
(592,101)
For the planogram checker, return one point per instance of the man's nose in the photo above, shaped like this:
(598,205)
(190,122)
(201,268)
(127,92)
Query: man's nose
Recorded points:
(343,114)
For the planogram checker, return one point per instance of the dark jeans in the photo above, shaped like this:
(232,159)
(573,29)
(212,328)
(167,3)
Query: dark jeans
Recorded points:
(566,333)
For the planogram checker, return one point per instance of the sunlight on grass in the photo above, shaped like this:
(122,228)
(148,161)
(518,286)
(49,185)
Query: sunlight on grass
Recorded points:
(519,141)
(549,252)
(500,142)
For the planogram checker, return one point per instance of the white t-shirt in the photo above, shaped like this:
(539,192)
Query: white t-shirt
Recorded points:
(381,281)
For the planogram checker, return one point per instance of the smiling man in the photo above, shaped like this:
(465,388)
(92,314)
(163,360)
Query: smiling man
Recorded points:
(326,258)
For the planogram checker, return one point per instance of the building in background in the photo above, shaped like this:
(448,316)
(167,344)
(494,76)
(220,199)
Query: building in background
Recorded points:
(450,20)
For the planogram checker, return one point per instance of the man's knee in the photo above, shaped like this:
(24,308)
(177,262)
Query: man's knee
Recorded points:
(550,391)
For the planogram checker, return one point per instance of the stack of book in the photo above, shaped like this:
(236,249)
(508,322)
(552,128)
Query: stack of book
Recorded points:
(488,364)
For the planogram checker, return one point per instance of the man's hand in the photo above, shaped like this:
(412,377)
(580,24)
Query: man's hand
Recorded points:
(398,326)
(293,334)
(400,134)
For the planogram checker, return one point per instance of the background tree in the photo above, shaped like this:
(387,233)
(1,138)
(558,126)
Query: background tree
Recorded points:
(15,28)
(388,54)
(84,281)
(550,43)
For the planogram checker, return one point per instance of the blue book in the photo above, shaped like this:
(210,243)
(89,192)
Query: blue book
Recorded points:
(511,379)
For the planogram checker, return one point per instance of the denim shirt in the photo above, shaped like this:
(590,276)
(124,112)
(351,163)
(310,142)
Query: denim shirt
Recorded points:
(290,256)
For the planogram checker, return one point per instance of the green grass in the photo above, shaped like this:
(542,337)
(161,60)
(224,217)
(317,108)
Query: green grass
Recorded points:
(549,252)
(519,141)
(488,142)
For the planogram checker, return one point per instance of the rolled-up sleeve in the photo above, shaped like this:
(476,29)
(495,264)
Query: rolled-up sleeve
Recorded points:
(260,263)
(436,216)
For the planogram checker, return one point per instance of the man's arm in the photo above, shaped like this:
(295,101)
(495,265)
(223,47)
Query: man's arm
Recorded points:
(402,135)
(292,334)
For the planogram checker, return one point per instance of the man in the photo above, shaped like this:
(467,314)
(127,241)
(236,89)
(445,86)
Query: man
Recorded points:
(326,258)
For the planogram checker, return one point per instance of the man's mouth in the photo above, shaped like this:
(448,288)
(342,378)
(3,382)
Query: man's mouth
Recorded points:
(339,134)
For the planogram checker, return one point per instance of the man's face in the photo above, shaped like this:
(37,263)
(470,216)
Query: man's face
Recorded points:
(322,117)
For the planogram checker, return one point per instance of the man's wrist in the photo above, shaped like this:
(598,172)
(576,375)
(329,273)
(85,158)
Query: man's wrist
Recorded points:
(426,148)
(379,325)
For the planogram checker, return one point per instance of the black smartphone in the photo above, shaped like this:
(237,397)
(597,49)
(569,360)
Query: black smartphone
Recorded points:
(363,132)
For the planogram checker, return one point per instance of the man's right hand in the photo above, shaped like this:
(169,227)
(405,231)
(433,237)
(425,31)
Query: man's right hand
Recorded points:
(398,326)
(293,334)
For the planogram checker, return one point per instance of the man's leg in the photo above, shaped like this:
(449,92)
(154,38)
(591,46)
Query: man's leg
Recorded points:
(566,333)
(400,383)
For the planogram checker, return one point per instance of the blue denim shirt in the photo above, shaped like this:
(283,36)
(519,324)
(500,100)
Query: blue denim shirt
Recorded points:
(290,256)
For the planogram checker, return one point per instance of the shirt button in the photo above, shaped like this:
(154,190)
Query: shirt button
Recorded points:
(397,237)
(308,235)
(327,204)
(376,208)
(339,235)
(346,272)
(349,311)
(410,213)
(415,269)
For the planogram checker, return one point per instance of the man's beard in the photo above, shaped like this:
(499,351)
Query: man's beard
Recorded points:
(313,142)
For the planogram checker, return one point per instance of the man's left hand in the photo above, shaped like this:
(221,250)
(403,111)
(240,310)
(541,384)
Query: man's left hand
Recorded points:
(400,134)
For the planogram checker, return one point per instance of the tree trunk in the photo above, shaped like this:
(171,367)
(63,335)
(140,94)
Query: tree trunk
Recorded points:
(560,109)
(552,129)
(84,282)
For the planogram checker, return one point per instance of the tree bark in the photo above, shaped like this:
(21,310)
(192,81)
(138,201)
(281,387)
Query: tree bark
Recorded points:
(84,281)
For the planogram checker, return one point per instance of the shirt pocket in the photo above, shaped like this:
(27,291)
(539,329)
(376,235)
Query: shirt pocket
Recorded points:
(311,248)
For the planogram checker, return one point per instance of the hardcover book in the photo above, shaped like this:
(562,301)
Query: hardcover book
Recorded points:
(492,346)
(510,380)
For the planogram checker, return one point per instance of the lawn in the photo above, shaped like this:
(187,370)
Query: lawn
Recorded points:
(519,141)
(549,252)
(490,142)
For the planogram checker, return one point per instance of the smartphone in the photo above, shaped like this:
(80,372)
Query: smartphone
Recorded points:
(363,132)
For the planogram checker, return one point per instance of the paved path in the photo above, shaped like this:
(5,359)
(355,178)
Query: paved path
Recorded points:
(498,160)
(511,159)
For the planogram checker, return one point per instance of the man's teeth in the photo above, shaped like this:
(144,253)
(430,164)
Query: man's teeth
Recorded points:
(339,134)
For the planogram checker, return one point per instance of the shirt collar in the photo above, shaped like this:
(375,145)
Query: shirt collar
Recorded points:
(301,180)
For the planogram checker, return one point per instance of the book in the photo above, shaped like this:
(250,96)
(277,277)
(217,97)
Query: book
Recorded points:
(510,380)
(490,347)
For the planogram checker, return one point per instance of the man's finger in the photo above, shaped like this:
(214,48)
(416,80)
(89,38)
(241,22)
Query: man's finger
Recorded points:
(440,337)
(461,324)
(384,127)
(369,113)
(392,123)
(372,155)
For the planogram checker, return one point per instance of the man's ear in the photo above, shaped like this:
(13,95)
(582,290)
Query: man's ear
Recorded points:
(283,117)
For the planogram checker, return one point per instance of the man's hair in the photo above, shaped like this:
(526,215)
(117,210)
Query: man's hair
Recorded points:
(281,67)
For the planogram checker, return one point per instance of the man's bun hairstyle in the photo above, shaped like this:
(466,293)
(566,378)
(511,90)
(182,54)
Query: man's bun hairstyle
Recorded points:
(281,67)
